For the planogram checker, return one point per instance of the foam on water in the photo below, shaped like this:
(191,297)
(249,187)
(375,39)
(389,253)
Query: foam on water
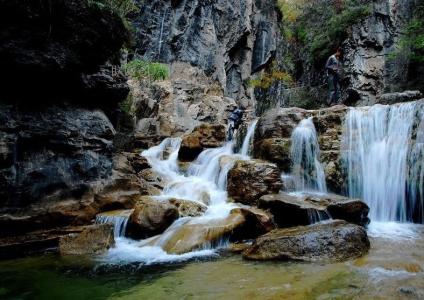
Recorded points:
(394,230)
(130,251)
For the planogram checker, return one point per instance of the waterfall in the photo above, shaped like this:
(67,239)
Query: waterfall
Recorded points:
(248,139)
(161,33)
(307,170)
(384,159)
(119,219)
(205,181)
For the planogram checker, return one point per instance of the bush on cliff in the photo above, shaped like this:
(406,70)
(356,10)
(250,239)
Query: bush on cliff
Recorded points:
(141,69)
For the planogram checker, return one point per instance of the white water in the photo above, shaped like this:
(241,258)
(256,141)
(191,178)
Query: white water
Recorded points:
(161,33)
(205,182)
(383,162)
(307,170)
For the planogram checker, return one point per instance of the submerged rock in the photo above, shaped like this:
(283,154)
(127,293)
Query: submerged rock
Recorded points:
(94,239)
(304,209)
(150,217)
(202,137)
(248,180)
(330,241)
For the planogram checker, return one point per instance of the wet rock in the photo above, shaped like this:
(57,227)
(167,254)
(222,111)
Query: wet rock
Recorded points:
(331,241)
(202,137)
(187,208)
(249,180)
(151,217)
(93,240)
(304,209)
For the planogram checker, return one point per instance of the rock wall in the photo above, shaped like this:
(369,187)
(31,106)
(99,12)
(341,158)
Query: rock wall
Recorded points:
(58,102)
(369,68)
(228,40)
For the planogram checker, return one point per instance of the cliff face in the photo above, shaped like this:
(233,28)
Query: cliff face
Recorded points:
(369,68)
(370,42)
(228,40)
(56,138)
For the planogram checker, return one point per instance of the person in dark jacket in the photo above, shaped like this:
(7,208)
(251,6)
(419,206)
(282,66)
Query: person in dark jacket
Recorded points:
(234,121)
(333,68)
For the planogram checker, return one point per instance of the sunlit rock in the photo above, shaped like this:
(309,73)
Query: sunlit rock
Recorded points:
(151,217)
(95,239)
(249,180)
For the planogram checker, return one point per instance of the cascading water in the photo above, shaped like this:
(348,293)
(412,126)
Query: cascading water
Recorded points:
(119,220)
(203,182)
(384,159)
(307,170)
(246,147)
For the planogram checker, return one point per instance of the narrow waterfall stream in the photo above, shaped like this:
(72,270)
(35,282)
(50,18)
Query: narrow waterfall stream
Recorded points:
(384,160)
(204,182)
(307,170)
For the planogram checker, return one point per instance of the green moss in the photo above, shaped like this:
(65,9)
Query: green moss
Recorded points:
(122,7)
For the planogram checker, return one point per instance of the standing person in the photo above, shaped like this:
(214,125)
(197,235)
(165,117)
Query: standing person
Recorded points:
(333,68)
(234,121)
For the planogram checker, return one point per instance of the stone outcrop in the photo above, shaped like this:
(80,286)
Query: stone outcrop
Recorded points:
(393,98)
(202,137)
(177,105)
(93,240)
(304,209)
(332,241)
(248,180)
(228,40)
(151,217)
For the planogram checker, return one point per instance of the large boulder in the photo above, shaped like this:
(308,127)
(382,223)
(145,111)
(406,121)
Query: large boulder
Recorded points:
(304,209)
(95,239)
(151,217)
(248,180)
(331,241)
(202,137)
(192,234)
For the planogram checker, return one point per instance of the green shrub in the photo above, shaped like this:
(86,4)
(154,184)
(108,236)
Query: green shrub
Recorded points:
(319,27)
(122,7)
(141,69)
(412,41)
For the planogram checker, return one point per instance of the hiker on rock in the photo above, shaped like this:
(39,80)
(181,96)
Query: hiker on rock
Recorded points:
(234,121)
(334,68)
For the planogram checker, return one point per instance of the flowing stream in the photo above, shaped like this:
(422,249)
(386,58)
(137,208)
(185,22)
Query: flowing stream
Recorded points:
(204,182)
(306,168)
(384,159)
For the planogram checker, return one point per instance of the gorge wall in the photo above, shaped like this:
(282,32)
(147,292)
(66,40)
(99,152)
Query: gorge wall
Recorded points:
(228,40)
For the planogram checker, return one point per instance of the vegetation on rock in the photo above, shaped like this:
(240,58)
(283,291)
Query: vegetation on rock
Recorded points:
(319,27)
(141,69)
